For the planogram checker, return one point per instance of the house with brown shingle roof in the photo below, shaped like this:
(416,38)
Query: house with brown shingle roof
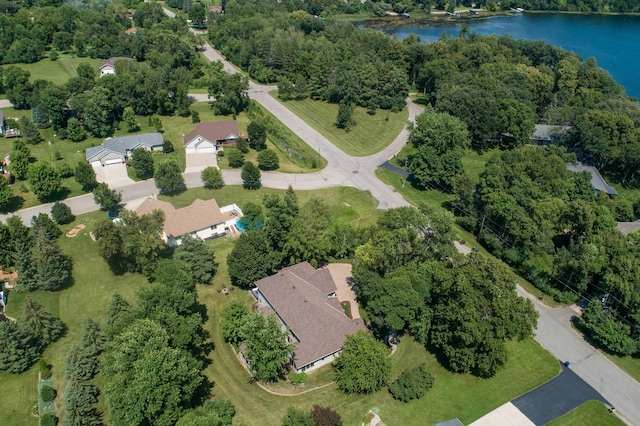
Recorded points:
(304,301)
(208,137)
(202,219)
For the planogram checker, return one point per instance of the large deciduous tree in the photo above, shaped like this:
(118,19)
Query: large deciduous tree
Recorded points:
(441,140)
(212,177)
(251,259)
(85,176)
(364,365)
(198,257)
(44,180)
(168,177)
(142,162)
(106,197)
(20,159)
(267,348)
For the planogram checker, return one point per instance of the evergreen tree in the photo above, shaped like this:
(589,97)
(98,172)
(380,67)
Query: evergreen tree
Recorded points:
(29,131)
(257,136)
(17,352)
(53,267)
(250,176)
(198,257)
(344,119)
(75,132)
(20,159)
(43,327)
(268,160)
(92,340)
(119,315)
(80,365)
(61,213)
(129,119)
(142,161)
(43,222)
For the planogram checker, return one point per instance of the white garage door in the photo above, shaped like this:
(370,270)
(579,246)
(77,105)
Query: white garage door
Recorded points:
(205,149)
(113,161)
(190,150)
(96,163)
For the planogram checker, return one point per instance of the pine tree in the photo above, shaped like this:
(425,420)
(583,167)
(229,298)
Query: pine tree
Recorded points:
(52,265)
(92,339)
(17,352)
(40,324)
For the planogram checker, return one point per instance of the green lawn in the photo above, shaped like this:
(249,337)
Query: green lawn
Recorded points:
(370,134)
(58,72)
(89,295)
(591,413)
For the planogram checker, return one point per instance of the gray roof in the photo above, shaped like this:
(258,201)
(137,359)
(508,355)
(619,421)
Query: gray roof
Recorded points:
(452,422)
(122,144)
(299,295)
(545,132)
(597,181)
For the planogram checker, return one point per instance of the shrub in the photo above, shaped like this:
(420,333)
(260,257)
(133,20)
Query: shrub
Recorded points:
(47,393)
(61,213)
(412,384)
(48,420)
(45,371)
(298,378)
(65,170)
(236,158)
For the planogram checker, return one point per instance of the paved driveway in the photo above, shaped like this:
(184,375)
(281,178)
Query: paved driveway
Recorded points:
(114,175)
(198,162)
(341,274)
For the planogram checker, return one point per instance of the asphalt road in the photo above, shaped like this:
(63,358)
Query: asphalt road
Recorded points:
(554,329)
(556,334)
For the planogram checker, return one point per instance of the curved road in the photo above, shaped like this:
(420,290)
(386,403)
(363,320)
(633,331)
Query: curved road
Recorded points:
(554,325)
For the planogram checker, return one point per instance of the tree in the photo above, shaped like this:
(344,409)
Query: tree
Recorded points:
(142,161)
(52,266)
(168,177)
(218,412)
(412,384)
(119,315)
(86,176)
(61,213)
(79,396)
(516,122)
(98,120)
(43,327)
(250,176)
(140,393)
(296,417)
(53,101)
(43,222)
(267,348)
(363,366)
(310,235)
(257,136)
(106,197)
(234,316)
(212,177)
(80,364)
(242,145)
(17,352)
(75,132)
(613,335)
(197,15)
(250,259)
(235,158)
(198,257)
(325,416)
(129,119)
(268,160)
(280,215)
(344,119)
(229,92)
(44,180)
(92,339)
(6,194)
(252,216)
(20,159)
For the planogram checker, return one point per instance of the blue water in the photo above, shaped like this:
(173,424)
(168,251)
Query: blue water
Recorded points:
(614,41)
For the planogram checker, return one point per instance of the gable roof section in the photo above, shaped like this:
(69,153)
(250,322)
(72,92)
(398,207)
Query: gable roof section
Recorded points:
(177,222)
(122,144)
(597,181)
(298,294)
(214,131)
(546,132)
(111,62)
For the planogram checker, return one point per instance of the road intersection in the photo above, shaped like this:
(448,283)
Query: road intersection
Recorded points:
(554,332)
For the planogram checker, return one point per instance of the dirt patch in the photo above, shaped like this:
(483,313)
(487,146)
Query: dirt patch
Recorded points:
(75,231)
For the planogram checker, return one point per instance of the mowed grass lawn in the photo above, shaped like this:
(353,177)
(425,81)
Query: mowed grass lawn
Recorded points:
(59,71)
(591,413)
(371,133)
(89,296)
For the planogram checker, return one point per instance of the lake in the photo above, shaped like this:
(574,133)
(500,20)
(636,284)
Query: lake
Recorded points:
(613,40)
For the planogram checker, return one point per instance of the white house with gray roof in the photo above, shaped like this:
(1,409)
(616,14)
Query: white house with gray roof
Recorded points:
(118,150)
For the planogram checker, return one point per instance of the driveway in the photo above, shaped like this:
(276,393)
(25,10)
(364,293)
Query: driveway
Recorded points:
(198,162)
(341,274)
(114,175)
(556,397)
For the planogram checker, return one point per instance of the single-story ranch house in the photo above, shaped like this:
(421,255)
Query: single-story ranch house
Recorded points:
(305,303)
(546,134)
(208,137)
(117,150)
(202,219)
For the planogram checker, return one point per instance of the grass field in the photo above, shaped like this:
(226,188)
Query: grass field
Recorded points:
(454,395)
(59,71)
(591,413)
(370,134)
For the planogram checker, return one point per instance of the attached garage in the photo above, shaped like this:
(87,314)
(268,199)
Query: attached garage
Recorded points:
(200,145)
(96,163)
